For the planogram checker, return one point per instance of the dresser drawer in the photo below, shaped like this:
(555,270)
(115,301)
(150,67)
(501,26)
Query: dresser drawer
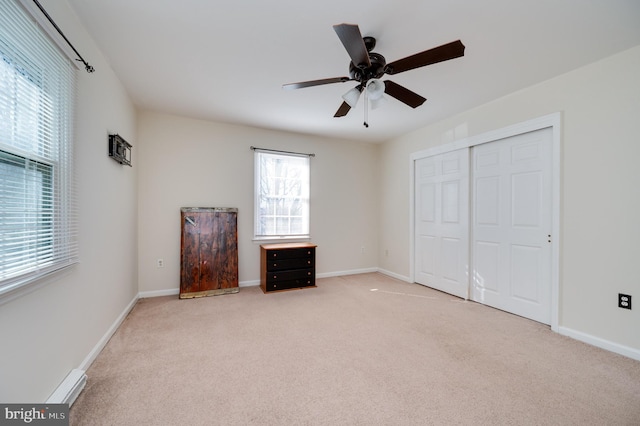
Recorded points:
(290,275)
(290,253)
(284,264)
(289,284)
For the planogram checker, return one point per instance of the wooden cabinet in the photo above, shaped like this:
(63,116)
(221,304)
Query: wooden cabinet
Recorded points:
(209,251)
(287,266)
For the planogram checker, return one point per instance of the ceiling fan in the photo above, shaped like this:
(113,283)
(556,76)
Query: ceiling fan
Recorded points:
(367,67)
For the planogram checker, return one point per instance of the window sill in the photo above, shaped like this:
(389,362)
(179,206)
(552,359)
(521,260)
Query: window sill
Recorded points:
(22,288)
(271,240)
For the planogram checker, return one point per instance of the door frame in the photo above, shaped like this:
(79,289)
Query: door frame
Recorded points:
(553,121)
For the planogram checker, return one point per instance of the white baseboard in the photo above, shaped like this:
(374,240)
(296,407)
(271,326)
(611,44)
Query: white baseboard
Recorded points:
(72,385)
(105,339)
(394,275)
(577,335)
(176,291)
(252,283)
(159,293)
(69,389)
(601,343)
(349,272)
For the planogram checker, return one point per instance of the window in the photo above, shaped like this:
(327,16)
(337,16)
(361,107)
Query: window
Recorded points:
(37,197)
(281,195)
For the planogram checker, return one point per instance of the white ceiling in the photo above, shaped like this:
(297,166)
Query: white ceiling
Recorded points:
(227,60)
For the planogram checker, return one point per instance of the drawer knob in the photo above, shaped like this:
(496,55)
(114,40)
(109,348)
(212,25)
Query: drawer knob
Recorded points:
(275,254)
(308,273)
(308,262)
(275,276)
(275,264)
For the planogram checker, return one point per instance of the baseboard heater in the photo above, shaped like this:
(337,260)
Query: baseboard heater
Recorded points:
(69,389)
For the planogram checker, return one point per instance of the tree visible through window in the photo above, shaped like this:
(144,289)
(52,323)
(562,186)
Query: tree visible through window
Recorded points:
(282,195)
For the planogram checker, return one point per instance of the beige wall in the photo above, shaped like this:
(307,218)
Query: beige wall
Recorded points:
(600,206)
(52,330)
(191,163)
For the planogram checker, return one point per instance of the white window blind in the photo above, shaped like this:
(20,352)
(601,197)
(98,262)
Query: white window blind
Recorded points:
(281,195)
(38,231)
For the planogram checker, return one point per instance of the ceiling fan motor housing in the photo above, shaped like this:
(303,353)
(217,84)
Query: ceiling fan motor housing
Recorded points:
(364,74)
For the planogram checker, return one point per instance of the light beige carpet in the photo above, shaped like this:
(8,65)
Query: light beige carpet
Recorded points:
(344,354)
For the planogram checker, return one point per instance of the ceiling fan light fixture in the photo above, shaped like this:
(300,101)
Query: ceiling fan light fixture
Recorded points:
(377,103)
(375,89)
(351,97)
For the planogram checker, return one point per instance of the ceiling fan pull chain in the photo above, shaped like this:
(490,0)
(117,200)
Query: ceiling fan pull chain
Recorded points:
(366,108)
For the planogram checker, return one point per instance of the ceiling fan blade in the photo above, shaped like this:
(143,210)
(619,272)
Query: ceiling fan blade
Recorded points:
(352,40)
(343,110)
(452,50)
(302,84)
(403,94)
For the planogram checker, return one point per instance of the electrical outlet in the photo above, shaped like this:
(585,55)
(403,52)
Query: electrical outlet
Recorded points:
(624,301)
(160,263)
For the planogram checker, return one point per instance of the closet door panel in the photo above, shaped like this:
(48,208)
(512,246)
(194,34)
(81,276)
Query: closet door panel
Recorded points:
(511,224)
(441,227)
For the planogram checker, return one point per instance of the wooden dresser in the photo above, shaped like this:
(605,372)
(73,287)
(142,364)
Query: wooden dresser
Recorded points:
(287,266)
(209,251)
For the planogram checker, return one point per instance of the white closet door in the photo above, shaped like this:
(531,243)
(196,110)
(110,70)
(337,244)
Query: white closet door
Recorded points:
(442,222)
(511,247)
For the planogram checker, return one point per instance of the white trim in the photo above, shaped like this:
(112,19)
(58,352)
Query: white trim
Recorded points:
(283,239)
(251,283)
(551,120)
(86,363)
(176,291)
(305,180)
(158,293)
(394,275)
(72,385)
(69,389)
(601,343)
(254,283)
(412,206)
(350,272)
(9,294)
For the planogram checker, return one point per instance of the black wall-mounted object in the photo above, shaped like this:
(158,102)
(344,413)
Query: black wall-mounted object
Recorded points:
(120,150)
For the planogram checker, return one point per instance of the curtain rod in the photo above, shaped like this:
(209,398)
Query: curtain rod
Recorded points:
(87,67)
(253,148)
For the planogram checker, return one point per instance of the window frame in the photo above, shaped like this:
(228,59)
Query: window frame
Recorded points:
(276,196)
(44,153)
